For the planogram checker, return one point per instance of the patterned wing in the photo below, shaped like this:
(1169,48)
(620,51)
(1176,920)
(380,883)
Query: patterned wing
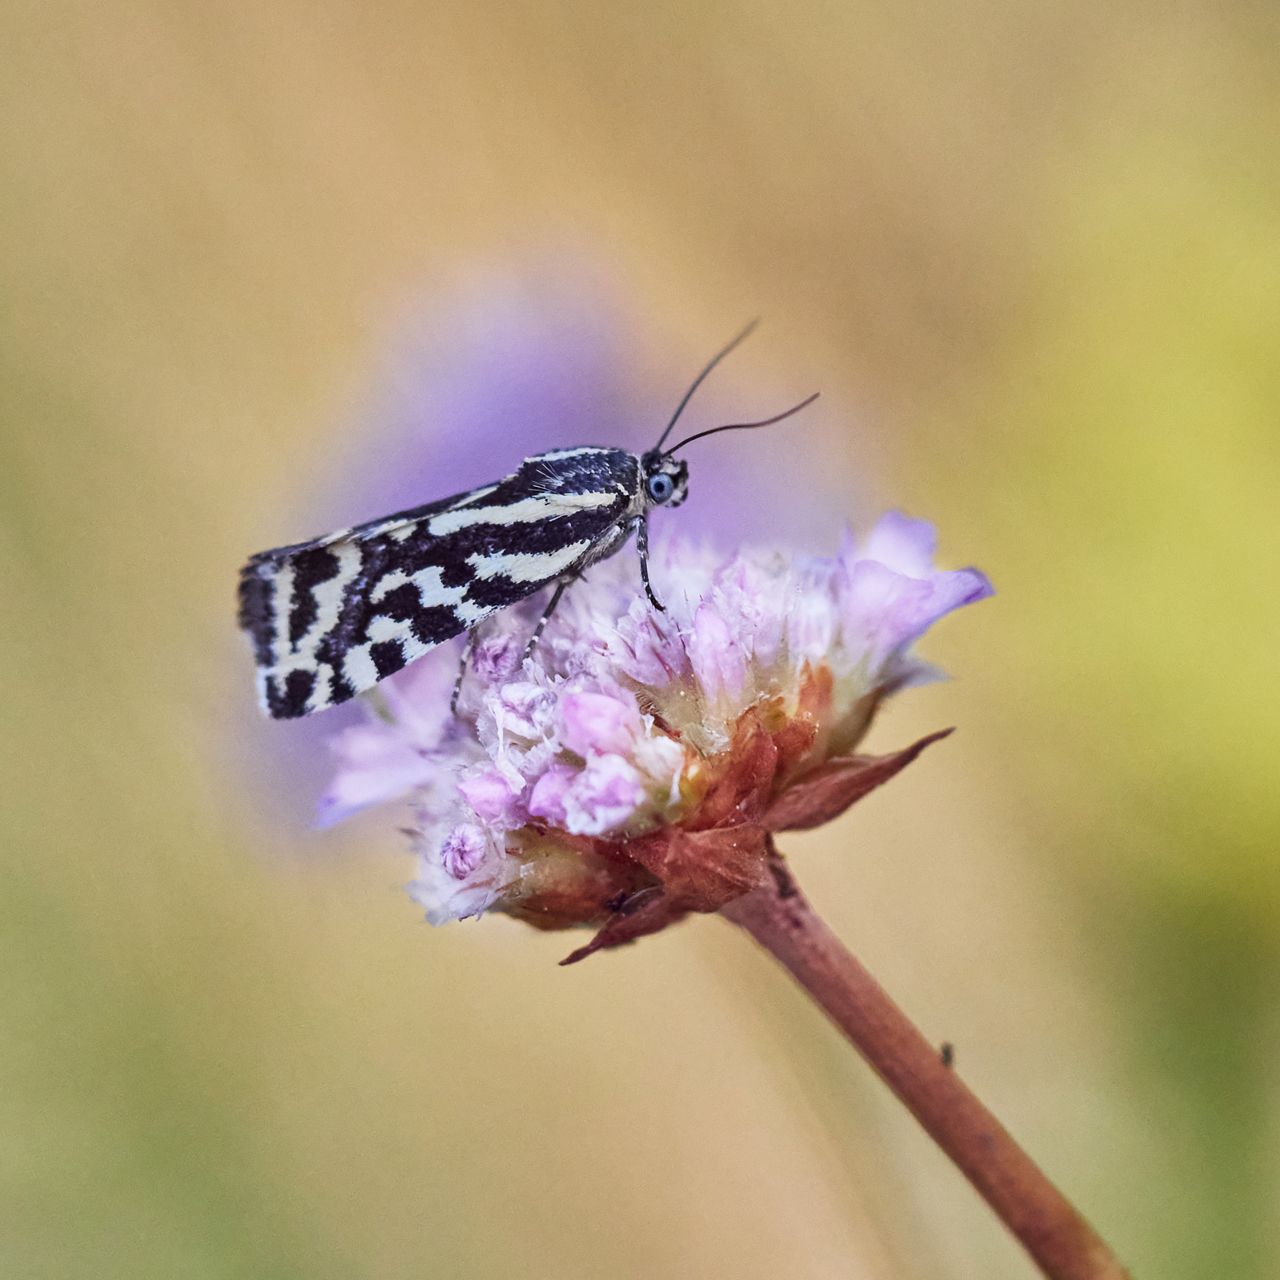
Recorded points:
(330,618)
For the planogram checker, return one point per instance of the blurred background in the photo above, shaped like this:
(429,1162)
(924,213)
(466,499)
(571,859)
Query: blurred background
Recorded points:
(260,264)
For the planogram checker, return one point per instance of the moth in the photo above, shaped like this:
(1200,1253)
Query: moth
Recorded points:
(331,617)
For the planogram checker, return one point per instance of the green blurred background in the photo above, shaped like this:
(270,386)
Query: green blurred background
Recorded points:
(1031,255)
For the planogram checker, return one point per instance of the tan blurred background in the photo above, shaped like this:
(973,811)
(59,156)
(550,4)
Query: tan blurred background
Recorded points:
(1031,255)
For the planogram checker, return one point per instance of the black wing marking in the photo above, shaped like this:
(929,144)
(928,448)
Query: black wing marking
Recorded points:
(331,617)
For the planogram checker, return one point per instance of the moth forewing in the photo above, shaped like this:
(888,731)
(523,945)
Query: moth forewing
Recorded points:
(331,617)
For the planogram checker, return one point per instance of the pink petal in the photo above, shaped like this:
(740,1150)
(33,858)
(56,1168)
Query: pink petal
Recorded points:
(645,648)
(375,763)
(491,796)
(901,543)
(598,722)
(548,798)
(886,611)
(418,696)
(717,659)
(603,796)
(521,708)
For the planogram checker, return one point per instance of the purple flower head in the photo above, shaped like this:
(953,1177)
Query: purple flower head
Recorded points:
(628,770)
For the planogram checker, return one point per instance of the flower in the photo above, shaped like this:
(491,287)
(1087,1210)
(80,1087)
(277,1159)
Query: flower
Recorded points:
(632,768)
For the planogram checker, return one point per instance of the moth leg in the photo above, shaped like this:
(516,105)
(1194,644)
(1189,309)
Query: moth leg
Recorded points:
(642,546)
(462,671)
(546,615)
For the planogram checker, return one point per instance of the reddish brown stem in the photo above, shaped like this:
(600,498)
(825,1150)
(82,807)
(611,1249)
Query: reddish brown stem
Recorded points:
(1063,1245)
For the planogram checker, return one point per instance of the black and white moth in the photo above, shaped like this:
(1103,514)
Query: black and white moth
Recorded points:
(330,618)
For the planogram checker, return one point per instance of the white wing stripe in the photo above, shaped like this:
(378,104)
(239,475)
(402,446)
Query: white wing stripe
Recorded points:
(528,567)
(358,668)
(526,511)
(558,455)
(431,589)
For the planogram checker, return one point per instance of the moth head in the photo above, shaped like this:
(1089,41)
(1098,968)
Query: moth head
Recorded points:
(664,479)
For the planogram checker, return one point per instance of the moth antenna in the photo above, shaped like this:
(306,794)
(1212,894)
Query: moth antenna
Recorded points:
(743,426)
(698,381)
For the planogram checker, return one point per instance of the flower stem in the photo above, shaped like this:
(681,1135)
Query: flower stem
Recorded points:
(1062,1244)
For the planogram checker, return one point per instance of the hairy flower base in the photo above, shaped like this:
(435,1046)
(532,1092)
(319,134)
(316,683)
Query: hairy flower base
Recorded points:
(705,868)
(773,777)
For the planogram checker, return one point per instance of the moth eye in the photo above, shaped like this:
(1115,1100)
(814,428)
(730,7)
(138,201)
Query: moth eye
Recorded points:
(661,487)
